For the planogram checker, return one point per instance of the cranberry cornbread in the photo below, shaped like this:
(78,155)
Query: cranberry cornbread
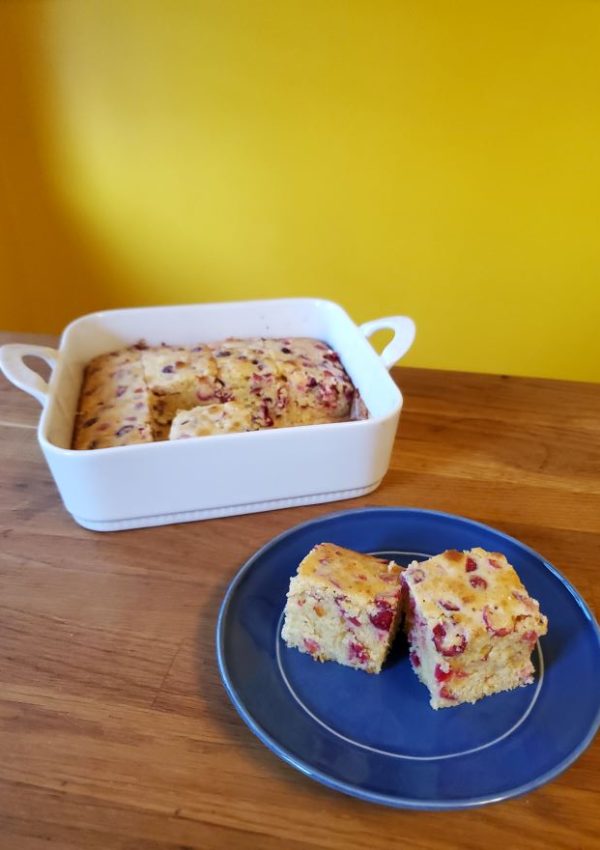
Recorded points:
(250,375)
(343,606)
(114,405)
(318,388)
(471,625)
(137,394)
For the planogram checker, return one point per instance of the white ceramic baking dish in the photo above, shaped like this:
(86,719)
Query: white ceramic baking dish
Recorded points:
(167,482)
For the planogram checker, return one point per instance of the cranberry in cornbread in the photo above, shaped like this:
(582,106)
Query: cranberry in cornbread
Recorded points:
(343,606)
(471,625)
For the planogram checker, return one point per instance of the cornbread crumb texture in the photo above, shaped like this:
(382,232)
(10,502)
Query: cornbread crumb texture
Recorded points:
(343,606)
(138,394)
(226,418)
(471,625)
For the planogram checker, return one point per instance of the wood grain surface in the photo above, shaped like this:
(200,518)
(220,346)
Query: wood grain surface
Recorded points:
(115,731)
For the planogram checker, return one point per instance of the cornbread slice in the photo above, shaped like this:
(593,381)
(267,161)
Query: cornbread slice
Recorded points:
(343,606)
(113,408)
(227,418)
(471,625)
(318,388)
(179,378)
(251,376)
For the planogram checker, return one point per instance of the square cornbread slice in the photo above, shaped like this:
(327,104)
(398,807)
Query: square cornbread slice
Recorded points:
(471,625)
(251,376)
(318,387)
(114,405)
(343,606)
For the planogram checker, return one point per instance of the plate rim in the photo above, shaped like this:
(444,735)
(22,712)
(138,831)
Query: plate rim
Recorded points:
(357,791)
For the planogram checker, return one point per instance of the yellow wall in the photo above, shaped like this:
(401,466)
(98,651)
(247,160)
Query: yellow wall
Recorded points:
(440,159)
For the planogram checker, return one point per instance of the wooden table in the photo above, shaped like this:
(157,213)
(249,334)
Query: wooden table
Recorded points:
(115,729)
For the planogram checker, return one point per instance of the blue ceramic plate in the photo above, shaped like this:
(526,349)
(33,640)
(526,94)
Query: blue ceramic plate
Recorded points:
(375,737)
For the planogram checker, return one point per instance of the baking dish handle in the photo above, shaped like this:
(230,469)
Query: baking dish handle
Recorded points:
(11,363)
(404,334)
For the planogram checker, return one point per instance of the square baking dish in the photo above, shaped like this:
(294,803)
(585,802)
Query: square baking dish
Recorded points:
(184,480)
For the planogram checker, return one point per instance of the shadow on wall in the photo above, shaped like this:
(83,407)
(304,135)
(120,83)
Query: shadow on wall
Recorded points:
(47,258)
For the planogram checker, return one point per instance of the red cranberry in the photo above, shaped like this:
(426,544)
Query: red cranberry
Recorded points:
(440,674)
(495,564)
(168,369)
(417,575)
(488,619)
(359,652)
(311,645)
(449,606)
(526,600)
(382,620)
(446,693)
(448,650)
(121,389)
(286,350)
(124,430)
(529,636)
(478,581)
(470,565)
(266,415)
(416,661)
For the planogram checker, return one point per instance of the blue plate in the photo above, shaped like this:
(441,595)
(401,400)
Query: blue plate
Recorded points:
(375,737)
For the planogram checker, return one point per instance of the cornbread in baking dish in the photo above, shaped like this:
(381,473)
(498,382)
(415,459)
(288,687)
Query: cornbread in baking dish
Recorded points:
(114,404)
(471,625)
(343,606)
(138,394)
